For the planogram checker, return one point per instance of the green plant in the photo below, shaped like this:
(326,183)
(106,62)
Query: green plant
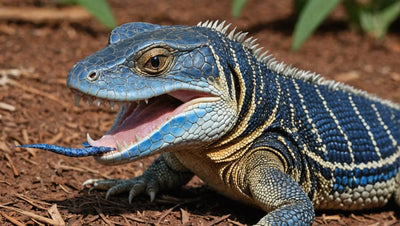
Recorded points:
(237,7)
(99,9)
(311,15)
(372,17)
(368,16)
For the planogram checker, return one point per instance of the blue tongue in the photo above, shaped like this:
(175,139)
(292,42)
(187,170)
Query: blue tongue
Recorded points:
(71,152)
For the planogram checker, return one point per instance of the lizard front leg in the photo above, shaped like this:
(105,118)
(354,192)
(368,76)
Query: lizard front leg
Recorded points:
(166,172)
(276,192)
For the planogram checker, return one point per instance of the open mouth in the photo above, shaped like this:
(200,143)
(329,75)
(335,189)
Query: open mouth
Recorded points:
(138,119)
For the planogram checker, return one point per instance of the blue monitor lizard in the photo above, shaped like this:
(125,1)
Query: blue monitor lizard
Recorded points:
(282,139)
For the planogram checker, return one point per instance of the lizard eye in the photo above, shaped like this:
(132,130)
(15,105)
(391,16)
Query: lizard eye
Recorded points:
(154,61)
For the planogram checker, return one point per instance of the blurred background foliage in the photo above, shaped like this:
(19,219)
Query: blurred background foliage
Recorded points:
(371,17)
(98,8)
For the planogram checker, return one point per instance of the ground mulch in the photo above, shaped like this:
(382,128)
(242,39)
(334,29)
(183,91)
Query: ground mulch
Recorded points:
(38,49)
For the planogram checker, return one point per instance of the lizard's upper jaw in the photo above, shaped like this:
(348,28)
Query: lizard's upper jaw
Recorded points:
(144,127)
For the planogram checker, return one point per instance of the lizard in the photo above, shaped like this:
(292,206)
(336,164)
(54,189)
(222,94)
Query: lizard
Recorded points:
(212,104)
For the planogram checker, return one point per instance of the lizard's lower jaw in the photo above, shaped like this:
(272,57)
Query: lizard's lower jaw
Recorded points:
(146,127)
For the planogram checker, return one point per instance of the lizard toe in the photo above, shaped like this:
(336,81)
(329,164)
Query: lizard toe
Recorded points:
(121,187)
(134,186)
(152,189)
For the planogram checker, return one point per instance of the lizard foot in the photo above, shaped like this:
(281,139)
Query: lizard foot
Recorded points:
(134,186)
(159,176)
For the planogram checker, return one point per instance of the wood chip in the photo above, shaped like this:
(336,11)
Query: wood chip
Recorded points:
(12,220)
(38,92)
(25,135)
(357,218)
(184,216)
(126,220)
(235,222)
(6,29)
(32,215)
(4,147)
(55,215)
(395,76)
(7,107)
(173,199)
(331,217)
(72,137)
(89,219)
(135,219)
(64,189)
(30,161)
(80,169)
(10,161)
(102,216)
(218,220)
(16,72)
(5,182)
(348,76)
(56,138)
(36,203)
(42,15)
(166,213)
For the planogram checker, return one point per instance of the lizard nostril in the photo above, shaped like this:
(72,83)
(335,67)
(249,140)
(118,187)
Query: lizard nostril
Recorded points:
(92,76)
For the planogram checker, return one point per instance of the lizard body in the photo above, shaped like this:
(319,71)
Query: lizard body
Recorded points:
(272,136)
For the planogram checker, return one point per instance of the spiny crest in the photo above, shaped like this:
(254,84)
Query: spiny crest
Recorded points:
(283,69)
(238,36)
(251,45)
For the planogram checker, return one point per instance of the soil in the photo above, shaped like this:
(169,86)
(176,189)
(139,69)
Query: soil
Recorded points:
(36,107)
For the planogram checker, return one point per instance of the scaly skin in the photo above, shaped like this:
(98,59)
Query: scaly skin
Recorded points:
(271,136)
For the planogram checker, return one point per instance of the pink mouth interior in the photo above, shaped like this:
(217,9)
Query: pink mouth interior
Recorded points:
(141,119)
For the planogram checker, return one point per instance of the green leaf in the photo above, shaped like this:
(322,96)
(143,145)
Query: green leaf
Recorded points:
(377,20)
(237,7)
(67,2)
(312,15)
(100,10)
(299,5)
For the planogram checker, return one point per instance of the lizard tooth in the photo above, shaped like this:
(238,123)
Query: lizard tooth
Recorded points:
(137,138)
(146,101)
(126,146)
(77,99)
(89,139)
(112,105)
(90,101)
(119,146)
(98,102)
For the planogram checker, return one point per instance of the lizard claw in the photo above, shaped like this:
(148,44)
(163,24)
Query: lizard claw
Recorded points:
(90,182)
(134,186)
(152,195)
(135,190)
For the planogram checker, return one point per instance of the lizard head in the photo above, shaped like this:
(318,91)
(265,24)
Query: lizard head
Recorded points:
(171,86)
